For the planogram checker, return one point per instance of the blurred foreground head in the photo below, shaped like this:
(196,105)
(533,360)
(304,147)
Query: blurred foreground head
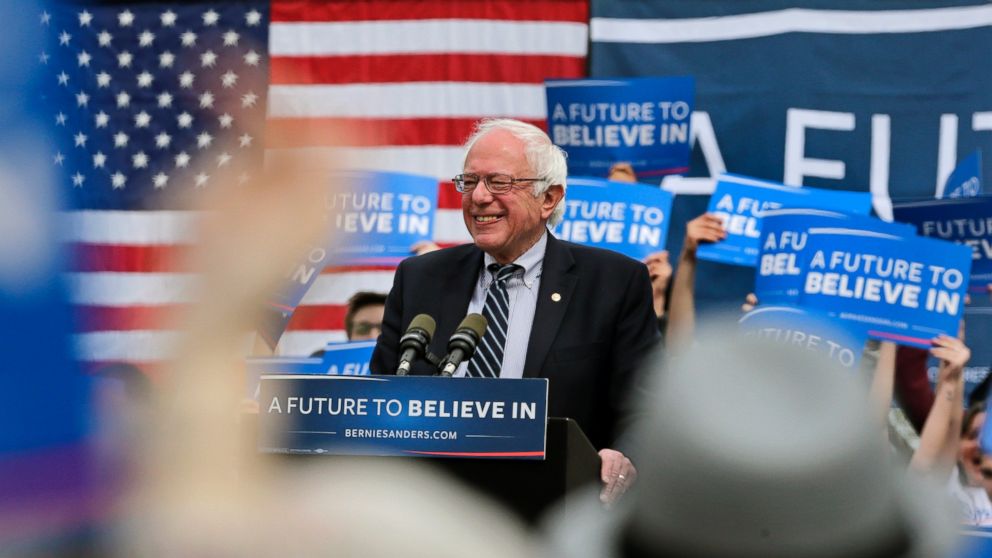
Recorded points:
(757,450)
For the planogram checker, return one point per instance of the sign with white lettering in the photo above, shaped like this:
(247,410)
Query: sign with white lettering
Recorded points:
(781,256)
(404,415)
(643,121)
(628,218)
(966,179)
(841,342)
(739,202)
(963,220)
(907,290)
(338,359)
(377,216)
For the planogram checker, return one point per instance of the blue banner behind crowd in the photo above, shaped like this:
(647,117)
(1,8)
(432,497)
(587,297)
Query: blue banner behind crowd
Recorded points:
(645,122)
(963,220)
(629,218)
(845,108)
(841,342)
(908,290)
(407,415)
(739,201)
(779,274)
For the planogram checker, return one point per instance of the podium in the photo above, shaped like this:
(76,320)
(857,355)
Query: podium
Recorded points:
(492,434)
(529,487)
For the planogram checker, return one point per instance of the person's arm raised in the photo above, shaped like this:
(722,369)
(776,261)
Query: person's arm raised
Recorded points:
(682,309)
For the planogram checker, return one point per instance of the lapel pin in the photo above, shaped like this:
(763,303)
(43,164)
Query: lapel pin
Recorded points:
(555,297)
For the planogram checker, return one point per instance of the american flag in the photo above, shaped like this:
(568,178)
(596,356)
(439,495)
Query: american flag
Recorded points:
(412,75)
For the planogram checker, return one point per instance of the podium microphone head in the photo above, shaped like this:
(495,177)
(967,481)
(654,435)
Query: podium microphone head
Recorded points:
(414,342)
(461,345)
(425,323)
(474,325)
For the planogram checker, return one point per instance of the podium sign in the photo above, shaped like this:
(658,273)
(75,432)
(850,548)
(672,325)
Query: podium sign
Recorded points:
(391,415)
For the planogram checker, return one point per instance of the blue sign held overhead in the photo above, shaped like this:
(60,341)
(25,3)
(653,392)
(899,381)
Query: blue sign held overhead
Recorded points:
(628,218)
(907,290)
(740,200)
(405,415)
(841,342)
(966,179)
(965,221)
(779,273)
(377,216)
(643,121)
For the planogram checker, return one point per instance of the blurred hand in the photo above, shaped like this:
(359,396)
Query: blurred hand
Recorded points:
(750,302)
(660,271)
(953,354)
(423,247)
(618,474)
(706,228)
(622,172)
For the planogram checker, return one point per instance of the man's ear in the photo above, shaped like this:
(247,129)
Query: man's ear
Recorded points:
(550,199)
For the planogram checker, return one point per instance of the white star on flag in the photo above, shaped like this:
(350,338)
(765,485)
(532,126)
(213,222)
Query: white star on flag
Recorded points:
(125,18)
(168,18)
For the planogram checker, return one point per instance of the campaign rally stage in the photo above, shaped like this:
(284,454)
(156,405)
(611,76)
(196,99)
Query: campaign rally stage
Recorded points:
(628,218)
(739,202)
(643,121)
(404,415)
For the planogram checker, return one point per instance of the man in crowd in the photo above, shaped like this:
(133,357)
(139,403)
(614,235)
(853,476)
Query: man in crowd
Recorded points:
(363,319)
(579,316)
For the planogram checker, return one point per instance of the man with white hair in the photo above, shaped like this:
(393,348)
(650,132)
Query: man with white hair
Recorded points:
(581,317)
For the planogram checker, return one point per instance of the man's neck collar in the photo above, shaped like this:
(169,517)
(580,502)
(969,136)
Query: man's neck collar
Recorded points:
(531,260)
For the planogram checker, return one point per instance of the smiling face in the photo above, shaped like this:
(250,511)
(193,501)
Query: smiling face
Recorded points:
(505,225)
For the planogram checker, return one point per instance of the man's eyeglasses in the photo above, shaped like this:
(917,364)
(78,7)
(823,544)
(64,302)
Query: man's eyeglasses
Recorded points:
(495,183)
(365,328)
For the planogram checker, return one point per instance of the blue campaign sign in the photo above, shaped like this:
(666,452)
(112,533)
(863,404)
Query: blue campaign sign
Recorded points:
(841,342)
(377,216)
(643,121)
(339,359)
(966,179)
(974,542)
(962,220)
(406,415)
(739,201)
(907,290)
(628,218)
(779,275)
(348,359)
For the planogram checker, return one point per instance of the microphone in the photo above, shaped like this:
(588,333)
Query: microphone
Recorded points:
(462,344)
(414,342)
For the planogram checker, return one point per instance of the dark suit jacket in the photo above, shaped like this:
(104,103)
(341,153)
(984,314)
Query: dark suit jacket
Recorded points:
(587,344)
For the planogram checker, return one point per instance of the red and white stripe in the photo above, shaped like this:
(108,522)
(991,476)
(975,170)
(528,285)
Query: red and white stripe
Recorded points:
(410,76)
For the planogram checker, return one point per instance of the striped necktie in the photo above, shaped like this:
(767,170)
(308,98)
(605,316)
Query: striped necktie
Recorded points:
(488,358)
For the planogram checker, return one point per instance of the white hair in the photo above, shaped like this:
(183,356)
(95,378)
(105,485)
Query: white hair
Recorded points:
(544,157)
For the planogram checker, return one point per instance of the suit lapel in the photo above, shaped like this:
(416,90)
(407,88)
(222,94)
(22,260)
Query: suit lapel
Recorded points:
(456,293)
(557,277)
